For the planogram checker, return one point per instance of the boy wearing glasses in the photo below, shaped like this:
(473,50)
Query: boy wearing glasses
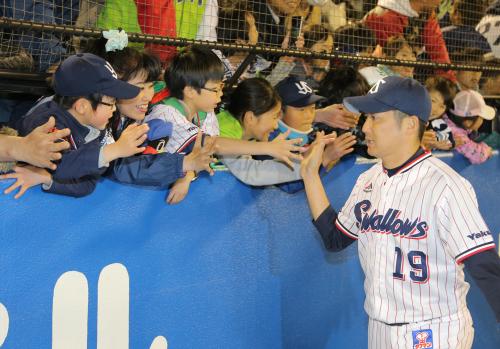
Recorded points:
(194,79)
(86,89)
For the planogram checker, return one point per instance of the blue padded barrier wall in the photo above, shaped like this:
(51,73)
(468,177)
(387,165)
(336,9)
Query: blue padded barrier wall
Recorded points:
(229,267)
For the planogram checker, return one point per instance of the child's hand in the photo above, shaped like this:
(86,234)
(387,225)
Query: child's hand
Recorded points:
(180,189)
(341,146)
(128,144)
(131,139)
(42,146)
(26,177)
(459,140)
(282,148)
(253,34)
(429,139)
(299,43)
(200,157)
(442,145)
(337,116)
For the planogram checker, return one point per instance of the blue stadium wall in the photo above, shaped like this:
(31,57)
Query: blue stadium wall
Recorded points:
(230,267)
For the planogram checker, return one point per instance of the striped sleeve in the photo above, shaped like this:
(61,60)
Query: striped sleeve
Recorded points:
(460,224)
(346,221)
(183,131)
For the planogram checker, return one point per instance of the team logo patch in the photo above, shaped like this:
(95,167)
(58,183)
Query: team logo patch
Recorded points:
(422,339)
(391,221)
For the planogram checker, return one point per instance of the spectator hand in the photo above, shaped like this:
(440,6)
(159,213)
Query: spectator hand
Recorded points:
(429,140)
(442,145)
(337,116)
(131,140)
(26,177)
(180,189)
(283,149)
(253,34)
(201,156)
(42,145)
(459,140)
(341,146)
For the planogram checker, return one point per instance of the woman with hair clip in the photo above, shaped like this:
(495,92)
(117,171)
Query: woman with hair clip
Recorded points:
(153,167)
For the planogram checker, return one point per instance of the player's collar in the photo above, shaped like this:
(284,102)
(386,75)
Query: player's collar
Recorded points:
(416,158)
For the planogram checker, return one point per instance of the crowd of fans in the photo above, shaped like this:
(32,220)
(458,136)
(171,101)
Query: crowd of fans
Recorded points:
(156,116)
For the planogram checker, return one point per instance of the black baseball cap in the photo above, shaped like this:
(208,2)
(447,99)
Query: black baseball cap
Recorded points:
(85,73)
(393,93)
(296,93)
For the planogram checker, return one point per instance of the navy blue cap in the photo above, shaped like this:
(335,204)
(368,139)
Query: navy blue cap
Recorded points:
(393,93)
(85,73)
(296,92)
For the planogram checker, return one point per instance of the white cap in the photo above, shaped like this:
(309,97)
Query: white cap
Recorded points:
(470,103)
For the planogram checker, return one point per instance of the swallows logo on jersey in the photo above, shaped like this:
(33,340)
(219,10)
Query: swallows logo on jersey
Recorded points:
(422,339)
(388,223)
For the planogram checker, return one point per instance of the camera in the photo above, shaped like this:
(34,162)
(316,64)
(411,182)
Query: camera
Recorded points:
(360,147)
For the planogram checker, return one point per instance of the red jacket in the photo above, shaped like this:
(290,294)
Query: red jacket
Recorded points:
(386,23)
(158,17)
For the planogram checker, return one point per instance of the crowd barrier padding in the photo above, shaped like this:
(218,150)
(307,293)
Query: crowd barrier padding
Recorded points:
(229,267)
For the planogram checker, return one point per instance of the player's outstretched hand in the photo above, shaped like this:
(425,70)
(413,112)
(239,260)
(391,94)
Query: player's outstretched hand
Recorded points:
(337,116)
(286,150)
(42,146)
(313,160)
(201,156)
(26,177)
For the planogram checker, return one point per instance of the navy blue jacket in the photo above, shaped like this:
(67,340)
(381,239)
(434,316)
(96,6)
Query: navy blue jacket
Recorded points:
(153,170)
(78,170)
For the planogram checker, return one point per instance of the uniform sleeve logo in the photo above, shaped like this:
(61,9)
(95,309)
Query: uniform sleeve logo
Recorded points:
(389,222)
(422,339)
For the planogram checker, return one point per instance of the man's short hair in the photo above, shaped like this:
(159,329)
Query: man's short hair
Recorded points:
(193,67)
(421,124)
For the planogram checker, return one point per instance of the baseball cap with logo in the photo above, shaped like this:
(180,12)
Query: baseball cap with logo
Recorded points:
(469,103)
(85,73)
(296,93)
(393,93)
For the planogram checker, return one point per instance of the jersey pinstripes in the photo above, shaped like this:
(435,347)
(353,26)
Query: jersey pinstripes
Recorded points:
(455,332)
(414,229)
(183,132)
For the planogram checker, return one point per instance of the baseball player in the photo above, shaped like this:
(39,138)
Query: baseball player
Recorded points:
(417,224)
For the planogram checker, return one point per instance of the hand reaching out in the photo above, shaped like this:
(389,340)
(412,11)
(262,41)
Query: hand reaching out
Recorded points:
(341,146)
(42,146)
(337,116)
(180,189)
(26,177)
(283,149)
(201,156)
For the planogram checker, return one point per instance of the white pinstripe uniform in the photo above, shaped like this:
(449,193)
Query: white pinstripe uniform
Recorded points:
(183,131)
(414,229)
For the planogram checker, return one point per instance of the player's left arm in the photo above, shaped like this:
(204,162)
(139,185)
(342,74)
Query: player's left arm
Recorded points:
(468,238)
(484,267)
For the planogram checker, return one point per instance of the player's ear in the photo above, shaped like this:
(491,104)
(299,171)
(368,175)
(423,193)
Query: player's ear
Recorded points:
(412,124)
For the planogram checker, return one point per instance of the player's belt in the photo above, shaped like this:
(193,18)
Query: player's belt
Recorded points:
(398,324)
